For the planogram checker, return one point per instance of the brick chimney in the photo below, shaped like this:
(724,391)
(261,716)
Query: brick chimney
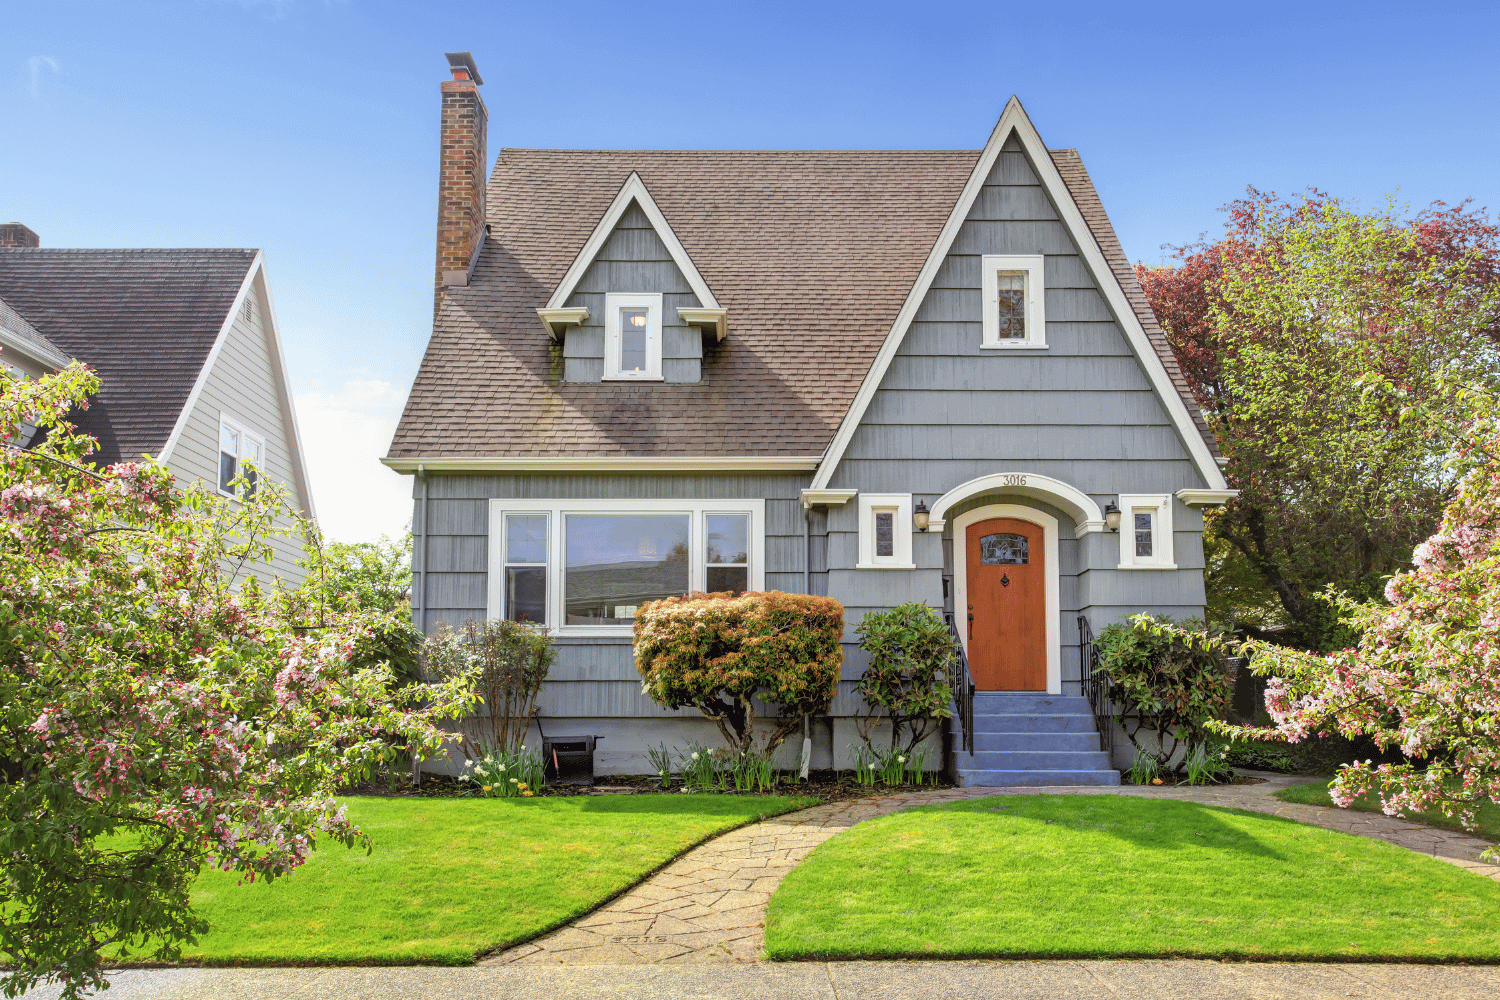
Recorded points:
(13,234)
(461,180)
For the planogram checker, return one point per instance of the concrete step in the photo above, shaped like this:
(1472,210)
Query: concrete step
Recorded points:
(1009,779)
(1033,723)
(1076,742)
(993,703)
(1035,760)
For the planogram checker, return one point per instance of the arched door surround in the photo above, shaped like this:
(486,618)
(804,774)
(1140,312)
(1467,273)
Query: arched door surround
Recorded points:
(1086,515)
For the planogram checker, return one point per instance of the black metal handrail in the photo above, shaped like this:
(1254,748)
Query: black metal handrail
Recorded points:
(1096,687)
(962,683)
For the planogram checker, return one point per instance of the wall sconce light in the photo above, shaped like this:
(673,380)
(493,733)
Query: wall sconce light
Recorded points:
(1112,516)
(919,515)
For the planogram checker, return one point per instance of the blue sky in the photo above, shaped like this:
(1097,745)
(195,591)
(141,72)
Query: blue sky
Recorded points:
(309,129)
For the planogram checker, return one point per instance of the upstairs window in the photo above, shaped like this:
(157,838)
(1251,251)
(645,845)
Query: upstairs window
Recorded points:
(240,451)
(632,336)
(1014,302)
(1146,531)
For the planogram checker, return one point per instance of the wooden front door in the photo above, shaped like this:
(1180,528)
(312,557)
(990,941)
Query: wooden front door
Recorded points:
(1007,605)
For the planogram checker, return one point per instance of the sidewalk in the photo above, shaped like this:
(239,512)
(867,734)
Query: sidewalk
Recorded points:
(1145,980)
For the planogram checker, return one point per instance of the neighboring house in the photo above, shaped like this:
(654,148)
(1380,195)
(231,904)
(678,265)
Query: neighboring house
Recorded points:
(660,371)
(186,348)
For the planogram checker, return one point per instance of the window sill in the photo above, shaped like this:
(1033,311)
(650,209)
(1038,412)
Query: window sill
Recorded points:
(633,378)
(626,632)
(1013,347)
(1162,566)
(884,566)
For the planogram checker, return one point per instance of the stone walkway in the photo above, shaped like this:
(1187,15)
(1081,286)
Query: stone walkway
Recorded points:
(709,906)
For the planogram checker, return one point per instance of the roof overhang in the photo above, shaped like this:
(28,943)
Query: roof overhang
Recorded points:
(12,344)
(622,463)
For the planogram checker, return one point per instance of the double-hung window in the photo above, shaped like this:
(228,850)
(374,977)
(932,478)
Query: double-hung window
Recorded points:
(632,336)
(240,452)
(584,567)
(1146,531)
(1015,301)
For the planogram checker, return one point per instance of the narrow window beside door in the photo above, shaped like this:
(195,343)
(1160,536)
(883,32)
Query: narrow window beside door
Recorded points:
(1143,534)
(885,533)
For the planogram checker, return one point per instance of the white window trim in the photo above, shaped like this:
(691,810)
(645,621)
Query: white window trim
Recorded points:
(239,427)
(900,504)
(556,548)
(1160,505)
(613,303)
(1036,301)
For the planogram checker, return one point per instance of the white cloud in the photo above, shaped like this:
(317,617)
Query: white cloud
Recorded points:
(36,63)
(344,435)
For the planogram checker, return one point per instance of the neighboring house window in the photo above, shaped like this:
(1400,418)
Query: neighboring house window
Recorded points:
(237,446)
(1146,531)
(8,370)
(885,528)
(1014,302)
(586,567)
(632,336)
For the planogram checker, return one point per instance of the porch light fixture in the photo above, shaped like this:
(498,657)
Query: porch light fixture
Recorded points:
(1112,516)
(919,515)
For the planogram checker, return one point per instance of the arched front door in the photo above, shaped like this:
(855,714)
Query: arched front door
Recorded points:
(1007,605)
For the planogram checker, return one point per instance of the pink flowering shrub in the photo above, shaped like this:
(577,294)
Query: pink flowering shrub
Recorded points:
(1425,677)
(148,688)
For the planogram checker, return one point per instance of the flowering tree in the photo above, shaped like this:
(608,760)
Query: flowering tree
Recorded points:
(1425,676)
(160,711)
(1314,336)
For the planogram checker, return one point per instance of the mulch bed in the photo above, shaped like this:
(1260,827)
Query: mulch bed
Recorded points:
(829,786)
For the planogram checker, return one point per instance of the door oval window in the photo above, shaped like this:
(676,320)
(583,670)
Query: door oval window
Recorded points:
(1004,550)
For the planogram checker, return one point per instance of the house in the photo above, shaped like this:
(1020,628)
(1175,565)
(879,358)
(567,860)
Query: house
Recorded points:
(659,371)
(186,347)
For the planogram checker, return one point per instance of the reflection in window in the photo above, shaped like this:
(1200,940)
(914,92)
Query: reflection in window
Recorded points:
(1011,286)
(885,533)
(526,568)
(728,556)
(617,562)
(633,320)
(1143,534)
(1004,549)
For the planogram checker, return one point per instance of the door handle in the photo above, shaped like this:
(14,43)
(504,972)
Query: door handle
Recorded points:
(971,628)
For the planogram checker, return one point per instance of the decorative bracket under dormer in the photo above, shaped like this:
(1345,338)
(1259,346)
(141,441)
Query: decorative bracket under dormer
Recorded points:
(557,320)
(1206,498)
(716,320)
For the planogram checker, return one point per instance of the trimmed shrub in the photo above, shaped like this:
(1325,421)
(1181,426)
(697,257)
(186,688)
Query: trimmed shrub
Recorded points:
(906,683)
(718,652)
(1167,680)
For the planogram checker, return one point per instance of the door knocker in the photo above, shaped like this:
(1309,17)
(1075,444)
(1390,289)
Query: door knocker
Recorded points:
(1004,580)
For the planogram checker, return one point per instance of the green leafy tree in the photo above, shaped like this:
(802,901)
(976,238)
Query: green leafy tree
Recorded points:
(1311,335)
(722,652)
(906,683)
(155,717)
(373,579)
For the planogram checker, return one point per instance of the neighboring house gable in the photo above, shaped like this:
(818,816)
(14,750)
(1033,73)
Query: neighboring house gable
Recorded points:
(177,351)
(23,349)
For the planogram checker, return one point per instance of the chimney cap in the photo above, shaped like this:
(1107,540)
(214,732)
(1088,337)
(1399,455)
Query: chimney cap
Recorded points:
(464,61)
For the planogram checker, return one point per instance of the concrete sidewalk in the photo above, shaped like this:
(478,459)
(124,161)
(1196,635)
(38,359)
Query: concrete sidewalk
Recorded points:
(1143,980)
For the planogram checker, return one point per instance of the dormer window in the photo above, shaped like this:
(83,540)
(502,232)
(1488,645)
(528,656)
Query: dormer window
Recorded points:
(632,336)
(1014,302)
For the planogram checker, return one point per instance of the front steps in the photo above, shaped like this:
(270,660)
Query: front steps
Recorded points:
(1031,739)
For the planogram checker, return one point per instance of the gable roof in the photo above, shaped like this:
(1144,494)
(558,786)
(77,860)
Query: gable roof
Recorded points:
(814,254)
(145,320)
(18,335)
(1110,276)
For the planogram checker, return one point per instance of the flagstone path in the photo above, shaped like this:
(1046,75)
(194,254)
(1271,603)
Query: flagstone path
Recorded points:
(709,906)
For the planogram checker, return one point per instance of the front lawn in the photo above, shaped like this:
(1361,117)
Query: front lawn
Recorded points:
(1315,793)
(1079,876)
(454,878)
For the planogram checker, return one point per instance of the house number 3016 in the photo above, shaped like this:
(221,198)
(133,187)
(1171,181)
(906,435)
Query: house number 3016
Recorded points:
(1014,481)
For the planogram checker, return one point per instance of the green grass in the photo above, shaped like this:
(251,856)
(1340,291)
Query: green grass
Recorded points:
(1315,793)
(450,879)
(1109,876)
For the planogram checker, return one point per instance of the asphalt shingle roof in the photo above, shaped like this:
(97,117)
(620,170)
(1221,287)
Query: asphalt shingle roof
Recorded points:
(812,252)
(145,320)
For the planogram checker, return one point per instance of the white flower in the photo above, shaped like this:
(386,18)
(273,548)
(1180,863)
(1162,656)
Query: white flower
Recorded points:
(468,763)
(695,755)
(514,780)
(901,760)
